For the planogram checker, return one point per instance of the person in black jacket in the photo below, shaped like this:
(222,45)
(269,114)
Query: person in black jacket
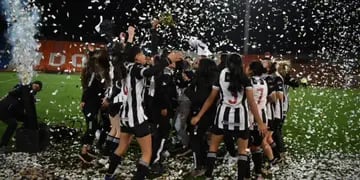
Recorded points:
(165,101)
(94,79)
(13,109)
(206,76)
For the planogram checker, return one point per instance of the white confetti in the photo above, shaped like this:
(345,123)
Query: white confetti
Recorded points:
(23,28)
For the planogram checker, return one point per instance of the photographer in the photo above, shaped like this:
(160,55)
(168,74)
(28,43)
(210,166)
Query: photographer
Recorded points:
(18,105)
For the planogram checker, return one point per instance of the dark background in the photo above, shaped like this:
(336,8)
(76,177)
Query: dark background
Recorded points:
(299,27)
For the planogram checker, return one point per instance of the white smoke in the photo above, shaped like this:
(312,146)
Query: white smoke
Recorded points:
(22,18)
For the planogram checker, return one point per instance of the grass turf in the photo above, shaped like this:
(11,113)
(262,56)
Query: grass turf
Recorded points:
(59,100)
(320,119)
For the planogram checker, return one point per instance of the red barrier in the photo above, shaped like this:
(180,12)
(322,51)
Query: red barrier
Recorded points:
(66,56)
(62,56)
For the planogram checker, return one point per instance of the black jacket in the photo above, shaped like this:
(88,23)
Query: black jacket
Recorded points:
(13,105)
(165,90)
(200,89)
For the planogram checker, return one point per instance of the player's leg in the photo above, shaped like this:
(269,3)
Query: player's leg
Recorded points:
(116,157)
(215,140)
(243,158)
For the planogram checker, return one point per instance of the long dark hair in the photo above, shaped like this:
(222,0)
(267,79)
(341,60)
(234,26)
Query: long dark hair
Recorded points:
(222,64)
(207,68)
(119,70)
(257,68)
(98,63)
(118,58)
(273,68)
(237,75)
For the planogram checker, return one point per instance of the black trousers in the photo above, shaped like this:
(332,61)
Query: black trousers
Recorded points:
(278,134)
(105,127)
(198,138)
(90,111)
(10,113)
(161,130)
(9,131)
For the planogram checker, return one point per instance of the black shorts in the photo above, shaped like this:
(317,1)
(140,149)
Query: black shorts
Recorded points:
(271,125)
(139,131)
(114,109)
(255,138)
(275,124)
(232,133)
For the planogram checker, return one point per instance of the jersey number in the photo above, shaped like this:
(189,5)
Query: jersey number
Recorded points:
(235,95)
(126,91)
(261,90)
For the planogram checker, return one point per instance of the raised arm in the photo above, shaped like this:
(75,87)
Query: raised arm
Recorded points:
(155,38)
(165,61)
(131,34)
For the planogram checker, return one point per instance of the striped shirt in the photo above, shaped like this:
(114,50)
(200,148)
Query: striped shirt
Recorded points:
(232,111)
(271,89)
(279,88)
(132,112)
(286,99)
(260,95)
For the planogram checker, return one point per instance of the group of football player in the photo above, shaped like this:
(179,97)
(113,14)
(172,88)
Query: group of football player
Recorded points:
(203,101)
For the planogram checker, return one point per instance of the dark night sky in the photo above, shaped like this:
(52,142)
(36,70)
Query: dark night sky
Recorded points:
(74,19)
(278,26)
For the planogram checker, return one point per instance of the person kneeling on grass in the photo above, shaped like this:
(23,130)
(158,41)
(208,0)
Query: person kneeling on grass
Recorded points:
(12,109)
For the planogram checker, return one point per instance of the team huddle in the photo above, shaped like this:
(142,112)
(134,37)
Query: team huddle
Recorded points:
(144,97)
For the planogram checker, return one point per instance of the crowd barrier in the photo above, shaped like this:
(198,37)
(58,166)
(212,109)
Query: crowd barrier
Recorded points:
(69,57)
(62,56)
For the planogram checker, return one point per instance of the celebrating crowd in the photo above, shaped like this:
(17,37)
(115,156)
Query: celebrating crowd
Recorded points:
(145,97)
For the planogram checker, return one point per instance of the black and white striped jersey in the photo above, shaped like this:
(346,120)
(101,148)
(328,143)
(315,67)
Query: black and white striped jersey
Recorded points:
(132,112)
(121,94)
(232,111)
(286,99)
(271,89)
(279,88)
(260,89)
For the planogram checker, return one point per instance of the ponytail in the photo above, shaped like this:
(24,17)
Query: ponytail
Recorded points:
(237,75)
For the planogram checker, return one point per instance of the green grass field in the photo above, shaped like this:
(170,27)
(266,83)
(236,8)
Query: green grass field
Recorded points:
(320,119)
(58,102)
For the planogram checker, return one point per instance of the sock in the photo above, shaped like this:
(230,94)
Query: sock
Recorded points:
(108,145)
(115,160)
(142,170)
(275,150)
(114,144)
(211,157)
(109,138)
(257,157)
(243,166)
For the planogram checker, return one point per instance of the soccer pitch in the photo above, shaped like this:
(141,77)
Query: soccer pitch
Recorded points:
(320,120)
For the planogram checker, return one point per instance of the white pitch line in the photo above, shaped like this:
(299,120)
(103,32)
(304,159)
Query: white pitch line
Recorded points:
(7,80)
